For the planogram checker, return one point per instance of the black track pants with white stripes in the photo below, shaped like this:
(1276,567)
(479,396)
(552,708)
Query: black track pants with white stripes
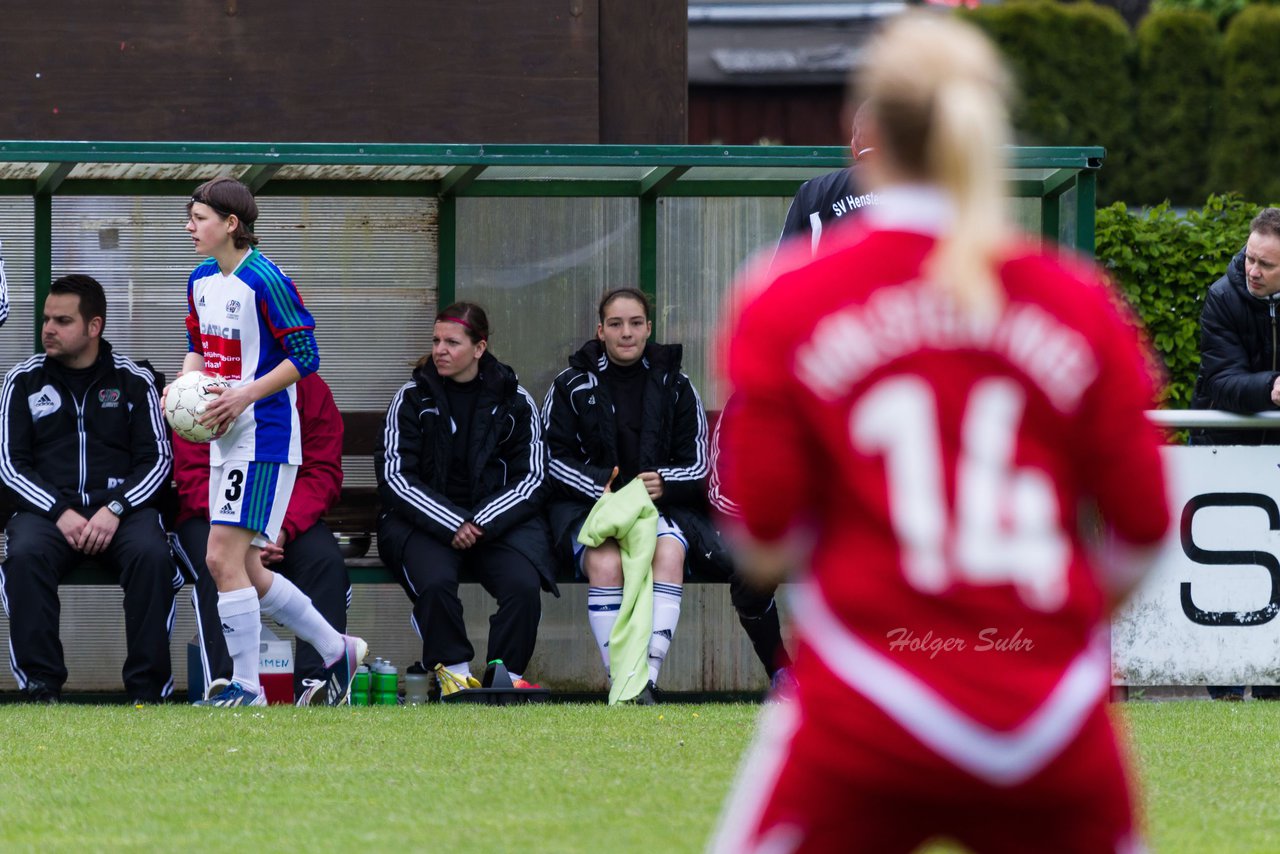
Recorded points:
(39,557)
(429,571)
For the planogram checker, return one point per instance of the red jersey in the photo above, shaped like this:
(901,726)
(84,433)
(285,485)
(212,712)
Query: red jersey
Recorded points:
(940,460)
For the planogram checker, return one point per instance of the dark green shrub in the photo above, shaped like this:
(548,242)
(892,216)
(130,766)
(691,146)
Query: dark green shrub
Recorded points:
(1177,81)
(1246,156)
(1164,262)
(1220,11)
(1073,64)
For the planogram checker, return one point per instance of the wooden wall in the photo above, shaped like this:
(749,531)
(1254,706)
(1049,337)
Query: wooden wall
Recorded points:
(498,71)
(744,115)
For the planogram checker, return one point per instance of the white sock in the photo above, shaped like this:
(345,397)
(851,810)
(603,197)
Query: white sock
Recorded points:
(666,613)
(291,608)
(242,630)
(603,604)
(462,670)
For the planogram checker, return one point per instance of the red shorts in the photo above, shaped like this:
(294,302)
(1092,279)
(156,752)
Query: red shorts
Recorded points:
(851,779)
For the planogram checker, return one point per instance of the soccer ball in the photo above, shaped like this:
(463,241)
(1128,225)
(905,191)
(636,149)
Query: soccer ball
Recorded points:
(187,399)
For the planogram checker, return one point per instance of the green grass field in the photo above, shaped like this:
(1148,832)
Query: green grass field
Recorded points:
(553,778)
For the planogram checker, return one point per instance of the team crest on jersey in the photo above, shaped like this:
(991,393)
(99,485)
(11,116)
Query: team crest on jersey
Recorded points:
(109,398)
(233,308)
(44,402)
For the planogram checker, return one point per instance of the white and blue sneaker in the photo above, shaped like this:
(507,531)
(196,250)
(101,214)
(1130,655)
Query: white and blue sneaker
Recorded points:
(338,676)
(216,687)
(234,695)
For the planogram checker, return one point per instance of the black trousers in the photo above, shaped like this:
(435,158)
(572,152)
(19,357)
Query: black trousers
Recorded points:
(429,570)
(39,557)
(758,616)
(312,562)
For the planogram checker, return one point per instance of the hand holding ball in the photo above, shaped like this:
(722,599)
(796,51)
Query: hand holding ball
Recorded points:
(186,401)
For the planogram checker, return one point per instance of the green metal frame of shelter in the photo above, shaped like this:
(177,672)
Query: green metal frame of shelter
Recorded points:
(647,173)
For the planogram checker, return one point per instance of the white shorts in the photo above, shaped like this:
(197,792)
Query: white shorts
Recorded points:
(666,528)
(251,495)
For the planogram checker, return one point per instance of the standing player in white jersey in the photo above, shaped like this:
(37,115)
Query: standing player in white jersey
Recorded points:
(247,324)
(929,404)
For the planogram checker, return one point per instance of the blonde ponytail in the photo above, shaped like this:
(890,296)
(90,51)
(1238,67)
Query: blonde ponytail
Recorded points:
(936,89)
(964,156)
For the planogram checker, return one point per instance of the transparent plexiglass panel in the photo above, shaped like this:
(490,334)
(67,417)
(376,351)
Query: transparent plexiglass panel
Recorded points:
(1068,208)
(1026,215)
(702,245)
(366,269)
(538,267)
(17,338)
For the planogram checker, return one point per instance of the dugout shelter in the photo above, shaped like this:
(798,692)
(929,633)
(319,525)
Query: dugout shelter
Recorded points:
(376,236)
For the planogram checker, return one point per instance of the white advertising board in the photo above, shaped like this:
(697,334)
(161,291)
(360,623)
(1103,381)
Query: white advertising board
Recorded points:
(1207,613)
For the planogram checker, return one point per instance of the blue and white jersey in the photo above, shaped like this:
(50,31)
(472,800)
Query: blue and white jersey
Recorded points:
(245,324)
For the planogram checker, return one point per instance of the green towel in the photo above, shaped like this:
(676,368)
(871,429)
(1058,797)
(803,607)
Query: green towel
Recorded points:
(629,517)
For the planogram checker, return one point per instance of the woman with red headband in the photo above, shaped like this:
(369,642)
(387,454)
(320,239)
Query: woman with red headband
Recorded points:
(460,471)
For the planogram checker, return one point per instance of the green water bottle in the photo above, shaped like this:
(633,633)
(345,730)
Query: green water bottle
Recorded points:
(360,686)
(386,684)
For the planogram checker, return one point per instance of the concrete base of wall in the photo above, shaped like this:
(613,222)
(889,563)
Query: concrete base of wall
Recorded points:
(710,652)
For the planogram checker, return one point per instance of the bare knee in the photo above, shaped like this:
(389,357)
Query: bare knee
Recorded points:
(668,561)
(230,558)
(603,565)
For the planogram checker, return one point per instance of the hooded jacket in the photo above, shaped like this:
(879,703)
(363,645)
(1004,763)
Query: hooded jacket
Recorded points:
(1238,357)
(58,452)
(578,417)
(506,459)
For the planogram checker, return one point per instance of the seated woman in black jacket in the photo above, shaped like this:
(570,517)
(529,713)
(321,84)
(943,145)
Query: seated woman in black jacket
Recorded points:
(460,470)
(623,402)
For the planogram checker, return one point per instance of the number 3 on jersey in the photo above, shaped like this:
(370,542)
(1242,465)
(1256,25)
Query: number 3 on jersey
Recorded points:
(1005,528)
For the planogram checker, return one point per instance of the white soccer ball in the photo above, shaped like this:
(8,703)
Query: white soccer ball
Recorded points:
(187,399)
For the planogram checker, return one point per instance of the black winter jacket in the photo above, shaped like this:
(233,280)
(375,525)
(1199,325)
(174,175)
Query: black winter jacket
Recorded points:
(57,452)
(1238,357)
(506,457)
(578,417)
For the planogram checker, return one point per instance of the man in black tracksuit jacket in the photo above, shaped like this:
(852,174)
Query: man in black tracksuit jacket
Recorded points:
(829,199)
(84,453)
(1239,367)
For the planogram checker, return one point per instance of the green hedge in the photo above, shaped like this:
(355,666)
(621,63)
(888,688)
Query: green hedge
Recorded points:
(1178,76)
(1220,11)
(1164,263)
(1074,68)
(1247,151)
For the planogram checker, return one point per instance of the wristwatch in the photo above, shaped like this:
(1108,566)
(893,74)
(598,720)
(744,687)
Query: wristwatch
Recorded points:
(116,507)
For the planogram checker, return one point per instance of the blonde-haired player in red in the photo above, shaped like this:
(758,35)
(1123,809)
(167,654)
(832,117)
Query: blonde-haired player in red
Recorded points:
(928,404)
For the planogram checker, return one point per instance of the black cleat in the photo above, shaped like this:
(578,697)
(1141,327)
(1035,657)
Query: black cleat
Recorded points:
(648,695)
(38,692)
